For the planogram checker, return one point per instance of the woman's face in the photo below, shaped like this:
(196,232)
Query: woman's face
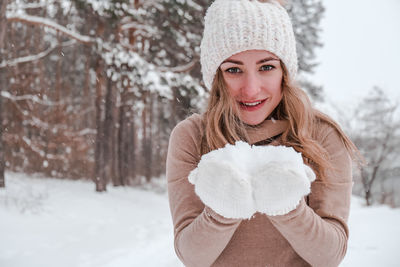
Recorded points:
(254,79)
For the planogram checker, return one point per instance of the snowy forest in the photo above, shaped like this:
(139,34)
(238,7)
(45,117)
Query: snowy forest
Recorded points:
(89,93)
(91,89)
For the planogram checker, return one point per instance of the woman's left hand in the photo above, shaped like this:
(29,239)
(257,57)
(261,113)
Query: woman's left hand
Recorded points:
(222,182)
(280,185)
(238,180)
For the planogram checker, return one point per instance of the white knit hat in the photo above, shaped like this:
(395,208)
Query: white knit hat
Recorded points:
(233,26)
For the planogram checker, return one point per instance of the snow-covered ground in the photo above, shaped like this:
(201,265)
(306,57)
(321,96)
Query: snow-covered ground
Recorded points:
(48,222)
(63,223)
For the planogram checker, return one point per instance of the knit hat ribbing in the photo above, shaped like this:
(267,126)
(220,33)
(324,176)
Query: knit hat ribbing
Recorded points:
(233,26)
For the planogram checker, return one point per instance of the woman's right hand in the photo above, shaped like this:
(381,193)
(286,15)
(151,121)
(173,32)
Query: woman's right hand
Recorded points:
(223,185)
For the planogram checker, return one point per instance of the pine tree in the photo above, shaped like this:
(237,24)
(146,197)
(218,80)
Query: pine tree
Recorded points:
(306,16)
(124,72)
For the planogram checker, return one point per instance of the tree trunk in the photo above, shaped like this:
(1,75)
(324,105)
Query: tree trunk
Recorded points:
(174,108)
(132,146)
(146,135)
(58,82)
(114,141)
(86,89)
(149,142)
(125,164)
(2,163)
(98,155)
(368,197)
(108,130)
(366,186)
(121,145)
(99,177)
(3,27)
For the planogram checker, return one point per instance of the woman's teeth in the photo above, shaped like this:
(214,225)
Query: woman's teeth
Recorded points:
(252,104)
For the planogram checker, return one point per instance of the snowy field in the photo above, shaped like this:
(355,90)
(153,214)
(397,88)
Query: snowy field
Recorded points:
(48,222)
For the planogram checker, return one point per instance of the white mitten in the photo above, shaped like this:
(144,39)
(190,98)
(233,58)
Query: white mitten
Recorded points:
(281,180)
(223,184)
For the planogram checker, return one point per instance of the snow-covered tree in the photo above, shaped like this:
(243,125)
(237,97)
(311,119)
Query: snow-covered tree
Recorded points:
(43,134)
(306,16)
(376,132)
(92,88)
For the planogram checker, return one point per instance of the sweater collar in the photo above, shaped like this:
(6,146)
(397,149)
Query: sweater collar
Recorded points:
(266,129)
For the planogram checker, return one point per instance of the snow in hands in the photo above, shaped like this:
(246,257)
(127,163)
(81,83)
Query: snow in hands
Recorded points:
(238,180)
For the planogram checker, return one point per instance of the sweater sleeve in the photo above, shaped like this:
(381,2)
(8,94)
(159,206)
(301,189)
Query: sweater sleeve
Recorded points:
(318,231)
(200,234)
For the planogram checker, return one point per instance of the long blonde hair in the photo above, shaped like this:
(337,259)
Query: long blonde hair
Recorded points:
(222,126)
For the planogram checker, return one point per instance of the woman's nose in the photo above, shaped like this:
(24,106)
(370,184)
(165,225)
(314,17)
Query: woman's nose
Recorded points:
(251,86)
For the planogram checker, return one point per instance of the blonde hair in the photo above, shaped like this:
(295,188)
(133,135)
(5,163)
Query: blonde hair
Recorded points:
(222,126)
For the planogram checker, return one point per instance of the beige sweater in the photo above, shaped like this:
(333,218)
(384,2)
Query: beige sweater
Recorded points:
(315,233)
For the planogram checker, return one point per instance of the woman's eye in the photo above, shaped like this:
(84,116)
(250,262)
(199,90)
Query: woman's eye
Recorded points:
(233,70)
(266,67)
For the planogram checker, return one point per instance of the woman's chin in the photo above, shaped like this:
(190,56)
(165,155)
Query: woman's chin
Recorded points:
(253,121)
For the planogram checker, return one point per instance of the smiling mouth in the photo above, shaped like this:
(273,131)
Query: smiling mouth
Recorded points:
(251,104)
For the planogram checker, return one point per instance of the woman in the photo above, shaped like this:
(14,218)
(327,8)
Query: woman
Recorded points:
(254,208)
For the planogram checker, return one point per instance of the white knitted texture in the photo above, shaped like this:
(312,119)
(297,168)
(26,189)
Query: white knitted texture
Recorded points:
(223,184)
(238,180)
(234,26)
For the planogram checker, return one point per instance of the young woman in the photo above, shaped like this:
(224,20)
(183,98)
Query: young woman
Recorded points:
(260,207)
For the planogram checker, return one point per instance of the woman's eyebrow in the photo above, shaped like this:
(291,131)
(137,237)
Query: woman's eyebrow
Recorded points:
(237,62)
(232,61)
(267,59)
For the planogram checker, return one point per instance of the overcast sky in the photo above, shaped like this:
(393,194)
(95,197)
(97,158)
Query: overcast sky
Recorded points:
(361,49)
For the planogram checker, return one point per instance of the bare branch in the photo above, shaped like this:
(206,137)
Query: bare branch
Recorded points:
(30,58)
(19,6)
(33,98)
(16,61)
(179,69)
(34,20)
(138,26)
